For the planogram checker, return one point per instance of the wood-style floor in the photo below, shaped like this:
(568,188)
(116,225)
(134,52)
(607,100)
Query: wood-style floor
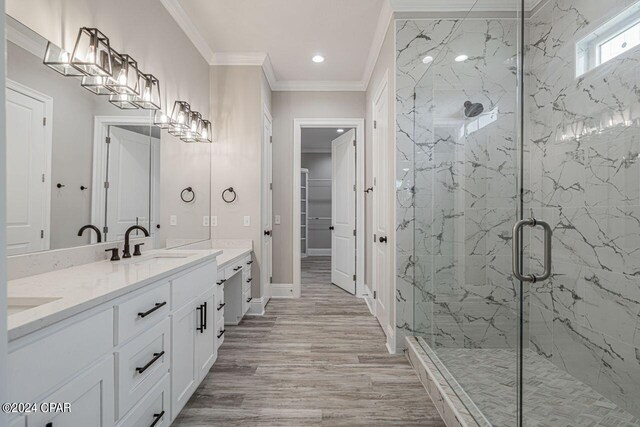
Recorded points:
(319,360)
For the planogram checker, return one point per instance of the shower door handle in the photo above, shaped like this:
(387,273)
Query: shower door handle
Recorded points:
(515,265)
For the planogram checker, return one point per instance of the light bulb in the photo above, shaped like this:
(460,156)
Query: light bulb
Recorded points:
(122,77)
(147,94)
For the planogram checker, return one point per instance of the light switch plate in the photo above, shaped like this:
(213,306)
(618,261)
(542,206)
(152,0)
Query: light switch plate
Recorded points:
(205,221)
(214,221)
(173,220)
(277,220)
(247,221)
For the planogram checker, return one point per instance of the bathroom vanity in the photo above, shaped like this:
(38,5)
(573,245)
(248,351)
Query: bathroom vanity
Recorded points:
(125,343)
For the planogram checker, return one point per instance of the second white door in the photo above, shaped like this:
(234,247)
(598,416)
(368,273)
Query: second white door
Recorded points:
(343,211)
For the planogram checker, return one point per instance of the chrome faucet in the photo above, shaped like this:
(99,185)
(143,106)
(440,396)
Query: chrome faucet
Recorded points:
(125,252)
(94,228)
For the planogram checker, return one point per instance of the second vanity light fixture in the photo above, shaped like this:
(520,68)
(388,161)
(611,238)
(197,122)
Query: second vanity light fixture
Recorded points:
(107,72)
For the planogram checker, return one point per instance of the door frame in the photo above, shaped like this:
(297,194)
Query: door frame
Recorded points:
(99,163)
(358,124)
(48,152)
(267,142)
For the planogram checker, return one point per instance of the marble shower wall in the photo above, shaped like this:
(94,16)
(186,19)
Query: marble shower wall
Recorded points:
(456,182)
(583,145)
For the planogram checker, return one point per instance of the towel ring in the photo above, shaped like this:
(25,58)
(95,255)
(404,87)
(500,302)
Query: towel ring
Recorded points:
(188,190)
(232,191)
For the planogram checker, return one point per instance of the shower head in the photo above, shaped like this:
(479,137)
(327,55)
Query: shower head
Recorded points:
(473,110)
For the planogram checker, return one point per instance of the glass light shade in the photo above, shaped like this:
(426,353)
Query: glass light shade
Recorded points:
(196,123)
(123,101)
(126,76)
(60,60)
(189,136)
(149,97)
(176,130)
(161,120)
(92,53)
(96,84)
(205,134)
(181,115)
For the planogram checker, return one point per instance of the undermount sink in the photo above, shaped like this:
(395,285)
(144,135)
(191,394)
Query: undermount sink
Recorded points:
(20,304)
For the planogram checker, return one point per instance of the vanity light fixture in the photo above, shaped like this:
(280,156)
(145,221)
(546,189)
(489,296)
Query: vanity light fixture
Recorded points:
(194,131)
(161,120)
(205,135)
(126,76)
(181,117)
(149,97)
(92,53)
(58,59)
(96,84)
(124,101)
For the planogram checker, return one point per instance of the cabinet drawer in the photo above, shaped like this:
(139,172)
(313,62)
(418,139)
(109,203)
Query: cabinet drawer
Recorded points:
(154,406)
(53,358)
(246,284)
(232,269)
(90,396)
(246,300)
(141,363)
(142,311)
(195,282)
(220,335)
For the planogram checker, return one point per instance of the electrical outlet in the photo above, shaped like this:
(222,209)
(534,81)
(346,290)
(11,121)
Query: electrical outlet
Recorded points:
(277,220)
(247,221)
(214,221)
(205,221)
(173,220)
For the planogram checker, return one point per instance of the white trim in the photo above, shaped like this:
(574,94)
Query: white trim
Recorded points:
(25,38)
(184,21)
(358,124)
(320,86)
(48,152)
(98,169)
(319,252)
(238,58)
(460,5)
(256,306)
(281,290)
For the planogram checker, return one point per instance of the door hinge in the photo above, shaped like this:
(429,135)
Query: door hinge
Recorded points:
(375,237)
(354,232)
(270,279)
(270,138)
(375,294)
(106,184)
(375,124)
(42,234)
(354,142)
(108,140)
(44,121)
(42,177)
(354,277)
(105,230)
(271,186)
(354,187)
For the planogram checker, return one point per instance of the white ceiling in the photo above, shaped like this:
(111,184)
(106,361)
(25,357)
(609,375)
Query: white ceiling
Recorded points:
(318,140)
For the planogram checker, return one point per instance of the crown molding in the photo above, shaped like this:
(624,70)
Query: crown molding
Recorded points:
(384,20)
(182,18)
(460,5)
(25,38)
(320,86)
(238,58)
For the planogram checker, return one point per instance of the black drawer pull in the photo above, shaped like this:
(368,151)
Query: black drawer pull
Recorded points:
(156,356)
(221,281)
(221,333)
(157,418)
(151,310)
(220,306)
(249,299)
(249,262)
(201,319)
(249,280)
(238,268)
(204,316)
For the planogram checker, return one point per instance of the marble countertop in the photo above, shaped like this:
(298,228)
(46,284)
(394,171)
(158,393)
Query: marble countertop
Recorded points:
(72,290)
(230,255)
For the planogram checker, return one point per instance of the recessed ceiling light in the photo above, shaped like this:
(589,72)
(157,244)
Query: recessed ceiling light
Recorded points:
(340,130)
(427,59)
(461,58)
(318,59)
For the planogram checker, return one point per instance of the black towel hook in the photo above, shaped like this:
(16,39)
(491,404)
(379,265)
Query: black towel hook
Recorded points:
(232,191)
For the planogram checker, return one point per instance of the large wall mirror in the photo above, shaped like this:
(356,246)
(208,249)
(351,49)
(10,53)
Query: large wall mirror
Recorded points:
(80,169)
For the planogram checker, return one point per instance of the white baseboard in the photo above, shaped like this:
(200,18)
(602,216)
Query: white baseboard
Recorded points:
(319,252)
(256,306)
(281,290)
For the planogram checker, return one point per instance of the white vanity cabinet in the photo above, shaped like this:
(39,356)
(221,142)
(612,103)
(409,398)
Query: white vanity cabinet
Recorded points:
(237,289)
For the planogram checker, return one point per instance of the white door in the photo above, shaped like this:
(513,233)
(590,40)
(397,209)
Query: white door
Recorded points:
(267,210)
(129,182)
(381,188)
(28,186)
(343,211)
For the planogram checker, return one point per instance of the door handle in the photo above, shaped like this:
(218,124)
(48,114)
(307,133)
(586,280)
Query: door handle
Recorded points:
(382,239)
(517,246)
(331,227)
(267,232)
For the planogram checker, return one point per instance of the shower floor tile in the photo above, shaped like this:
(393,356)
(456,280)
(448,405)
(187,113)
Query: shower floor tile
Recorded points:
(552,397)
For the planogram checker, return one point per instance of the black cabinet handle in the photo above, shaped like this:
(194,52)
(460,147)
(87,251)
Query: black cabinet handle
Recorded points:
(249,262)
(221,333)
(201,327)
(220,306)
(151,310)
(249,280)
(249,299)
(382,240)
(157,418)
(237,268)
(220,282)
(204,316)
(156,356)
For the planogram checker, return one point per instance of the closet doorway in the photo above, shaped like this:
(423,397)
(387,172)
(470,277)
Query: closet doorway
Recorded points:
(330,209)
